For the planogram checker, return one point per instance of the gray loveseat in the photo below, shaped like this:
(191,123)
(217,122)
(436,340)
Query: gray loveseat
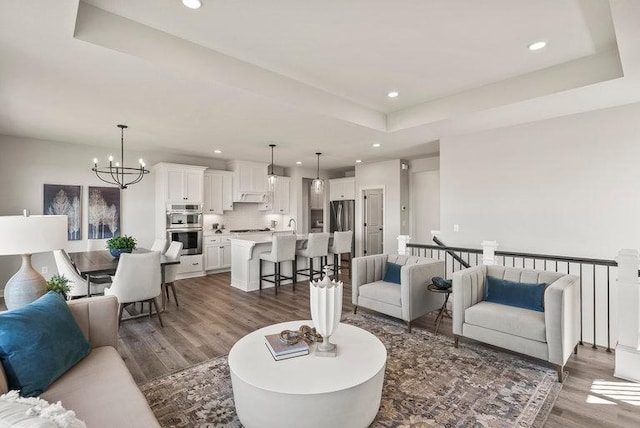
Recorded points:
(99,388)
(408,300)
(550,335)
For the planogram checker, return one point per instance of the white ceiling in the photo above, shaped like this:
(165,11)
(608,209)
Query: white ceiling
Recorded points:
(309,76)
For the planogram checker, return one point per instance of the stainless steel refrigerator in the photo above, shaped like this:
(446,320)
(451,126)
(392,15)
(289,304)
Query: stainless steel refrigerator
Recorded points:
(343,218)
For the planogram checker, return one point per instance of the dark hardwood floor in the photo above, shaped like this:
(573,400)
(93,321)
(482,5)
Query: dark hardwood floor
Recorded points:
(212,316)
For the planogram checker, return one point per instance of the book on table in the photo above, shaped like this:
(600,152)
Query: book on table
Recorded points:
(281,351)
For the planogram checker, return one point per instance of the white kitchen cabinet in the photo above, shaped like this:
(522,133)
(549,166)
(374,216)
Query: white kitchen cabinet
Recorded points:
(190,265)
(249,181)
(180,183)
(218,190)
(277,202)
(226,255)
(217,252)
(342,189)
(281,196)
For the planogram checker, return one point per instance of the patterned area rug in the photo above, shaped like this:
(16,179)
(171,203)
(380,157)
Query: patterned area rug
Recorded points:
(428,383)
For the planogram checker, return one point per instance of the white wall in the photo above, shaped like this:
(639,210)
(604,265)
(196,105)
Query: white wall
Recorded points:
(384,175)
(27,164)
(425,198)
(425,205)
(567,186)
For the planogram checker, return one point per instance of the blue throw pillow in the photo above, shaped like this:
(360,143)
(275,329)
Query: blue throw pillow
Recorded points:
(392,274)
(38,343)
(518,294)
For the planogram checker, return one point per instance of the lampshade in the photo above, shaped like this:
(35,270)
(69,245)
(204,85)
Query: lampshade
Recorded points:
(32,234)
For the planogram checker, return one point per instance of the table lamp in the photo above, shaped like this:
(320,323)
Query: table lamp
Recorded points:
(27,235)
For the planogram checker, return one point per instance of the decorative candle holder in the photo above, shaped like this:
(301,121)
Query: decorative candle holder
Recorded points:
(326,309)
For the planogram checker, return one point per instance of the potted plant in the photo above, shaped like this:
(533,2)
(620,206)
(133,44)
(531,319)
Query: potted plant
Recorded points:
(59,284)
(121,244)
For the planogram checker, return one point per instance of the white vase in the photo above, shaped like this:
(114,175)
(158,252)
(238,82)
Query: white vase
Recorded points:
(326,309)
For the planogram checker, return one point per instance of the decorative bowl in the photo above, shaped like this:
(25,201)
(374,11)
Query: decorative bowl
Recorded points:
(441,283)
(115,252)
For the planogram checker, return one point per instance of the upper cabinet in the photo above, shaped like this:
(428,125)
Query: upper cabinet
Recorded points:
(249,181)
(342,189)
(277,202)
(218,191)
(180,183)
(280,198)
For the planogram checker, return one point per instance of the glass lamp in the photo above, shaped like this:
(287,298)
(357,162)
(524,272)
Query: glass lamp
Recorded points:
(271,178)
(318,184)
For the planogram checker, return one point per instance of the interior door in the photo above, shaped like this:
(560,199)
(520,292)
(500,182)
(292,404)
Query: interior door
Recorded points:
(373,225)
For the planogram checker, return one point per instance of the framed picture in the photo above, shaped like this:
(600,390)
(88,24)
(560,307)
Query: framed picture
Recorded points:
(104,212)
(60,199)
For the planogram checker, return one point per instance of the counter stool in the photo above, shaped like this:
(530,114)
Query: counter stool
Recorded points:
(283,249)
(317,246)
(341,245)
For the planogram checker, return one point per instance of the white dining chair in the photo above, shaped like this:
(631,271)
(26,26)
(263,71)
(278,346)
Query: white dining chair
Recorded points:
(137,279)
(171,271)
(99,245)
(160,245)
(77,284)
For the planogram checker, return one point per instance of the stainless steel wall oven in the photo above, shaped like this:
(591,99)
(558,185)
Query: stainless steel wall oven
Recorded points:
(184,224)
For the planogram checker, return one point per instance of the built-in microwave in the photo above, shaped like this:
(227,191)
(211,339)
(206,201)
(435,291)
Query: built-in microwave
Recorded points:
(184,216)
(191,239)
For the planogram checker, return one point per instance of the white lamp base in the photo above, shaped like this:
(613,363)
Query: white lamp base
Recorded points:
(25,286)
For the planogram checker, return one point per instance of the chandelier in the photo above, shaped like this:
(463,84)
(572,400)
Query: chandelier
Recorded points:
(317,184)
(271,177)
(121,176)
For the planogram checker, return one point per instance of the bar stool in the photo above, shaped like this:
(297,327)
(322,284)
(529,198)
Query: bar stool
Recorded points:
(341,245)
(317,246)
(283,249)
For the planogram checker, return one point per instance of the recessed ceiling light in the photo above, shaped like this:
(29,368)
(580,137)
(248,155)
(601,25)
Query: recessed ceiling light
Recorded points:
(217,151)
(358,161)
(536,46)
(298,162)
(376,144)
(393,94)
(192,4)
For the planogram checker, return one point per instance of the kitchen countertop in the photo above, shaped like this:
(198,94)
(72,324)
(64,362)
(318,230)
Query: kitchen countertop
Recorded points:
(211,232)
(253,239)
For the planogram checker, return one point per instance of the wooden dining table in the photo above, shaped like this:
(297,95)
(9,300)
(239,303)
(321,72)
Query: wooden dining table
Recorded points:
(101,262)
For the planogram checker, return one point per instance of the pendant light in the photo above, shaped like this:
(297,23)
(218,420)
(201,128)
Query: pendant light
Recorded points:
(271,178)
(117,174)
(318,184)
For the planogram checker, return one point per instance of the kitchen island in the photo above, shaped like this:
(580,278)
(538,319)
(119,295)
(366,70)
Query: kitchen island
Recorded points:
(245,261)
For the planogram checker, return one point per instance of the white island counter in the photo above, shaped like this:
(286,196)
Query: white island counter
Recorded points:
(245,261)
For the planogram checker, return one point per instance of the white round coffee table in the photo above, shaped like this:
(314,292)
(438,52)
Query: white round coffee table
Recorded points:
(308,391)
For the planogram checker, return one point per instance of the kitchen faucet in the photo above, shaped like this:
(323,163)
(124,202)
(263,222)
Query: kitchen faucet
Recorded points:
(295,225)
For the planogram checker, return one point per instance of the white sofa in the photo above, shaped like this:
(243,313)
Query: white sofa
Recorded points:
(550,335)
(408,300)
(99,388)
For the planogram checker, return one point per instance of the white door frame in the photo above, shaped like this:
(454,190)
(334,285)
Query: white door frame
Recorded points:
(360,216)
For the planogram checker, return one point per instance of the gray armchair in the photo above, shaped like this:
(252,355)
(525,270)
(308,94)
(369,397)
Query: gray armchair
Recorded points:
(408,300)
(550,335)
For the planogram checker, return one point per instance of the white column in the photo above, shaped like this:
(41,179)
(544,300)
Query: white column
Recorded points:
(403,240)
(489,252)
(628,347)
